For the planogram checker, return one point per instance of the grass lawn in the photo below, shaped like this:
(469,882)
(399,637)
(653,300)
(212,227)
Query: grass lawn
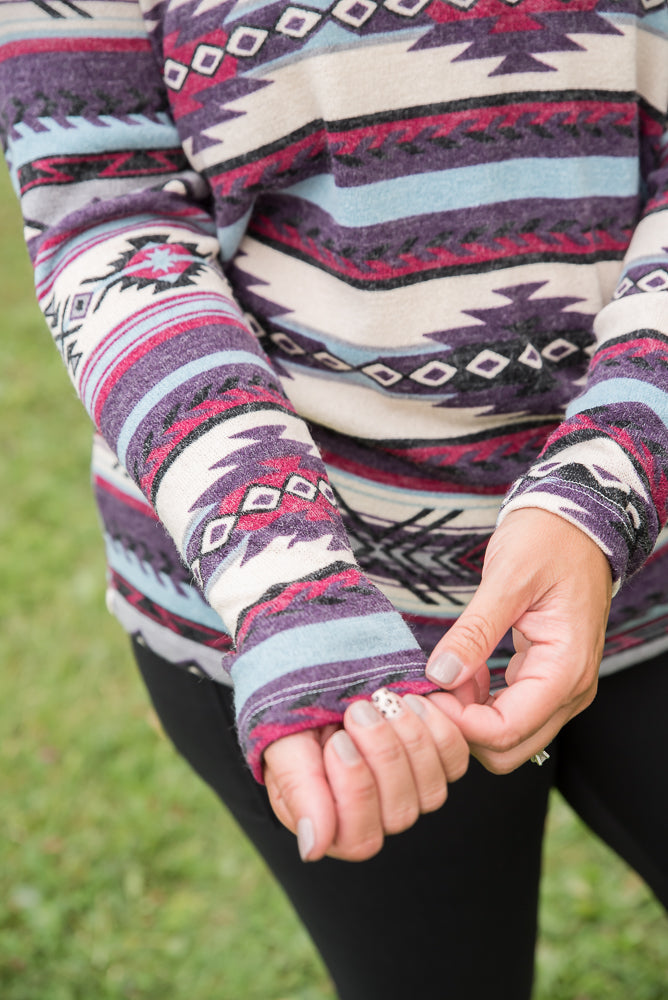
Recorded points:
(120,877)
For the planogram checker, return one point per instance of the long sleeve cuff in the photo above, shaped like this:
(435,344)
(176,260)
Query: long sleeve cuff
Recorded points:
(306,652)
(603,470)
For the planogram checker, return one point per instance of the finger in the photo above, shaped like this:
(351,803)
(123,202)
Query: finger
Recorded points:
(510,760)
(429,776)
(384,753)
(465,648)
(475,690)
(359,833)
(539,702)
(299,791)
(450,745)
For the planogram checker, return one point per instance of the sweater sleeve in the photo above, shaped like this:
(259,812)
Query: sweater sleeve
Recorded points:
(171,371)
(605,468)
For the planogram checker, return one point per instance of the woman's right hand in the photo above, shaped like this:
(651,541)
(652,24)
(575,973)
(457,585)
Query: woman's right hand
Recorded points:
(341,791)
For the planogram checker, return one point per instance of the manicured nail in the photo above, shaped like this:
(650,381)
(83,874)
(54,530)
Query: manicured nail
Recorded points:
(305,837)
(416,704)
(346,750)
(445,668)
(364,714)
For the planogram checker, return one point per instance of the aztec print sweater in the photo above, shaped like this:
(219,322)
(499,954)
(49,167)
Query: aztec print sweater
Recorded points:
(334,278)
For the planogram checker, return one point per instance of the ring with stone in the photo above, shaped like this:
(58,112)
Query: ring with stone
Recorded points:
(540,757)
(386,702)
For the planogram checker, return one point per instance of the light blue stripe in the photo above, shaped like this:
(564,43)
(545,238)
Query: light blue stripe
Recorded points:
(131,28)
(173,381)
(358,354)
(229,237)
(468,187)
(158,587)
(149,326)
(653,22)
(342,639)
(621,390)
(83,137)
(364,381)
(441,501)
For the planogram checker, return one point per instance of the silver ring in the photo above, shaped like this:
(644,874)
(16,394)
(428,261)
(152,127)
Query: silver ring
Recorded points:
(540,757)
(386,702)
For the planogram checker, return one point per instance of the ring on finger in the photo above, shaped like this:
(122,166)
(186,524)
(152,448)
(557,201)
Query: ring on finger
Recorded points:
(386,702)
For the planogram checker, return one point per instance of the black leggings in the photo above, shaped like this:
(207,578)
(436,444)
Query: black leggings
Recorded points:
(447,910)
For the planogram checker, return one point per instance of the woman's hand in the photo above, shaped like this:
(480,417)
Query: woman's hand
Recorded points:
(343,791)
(548,581)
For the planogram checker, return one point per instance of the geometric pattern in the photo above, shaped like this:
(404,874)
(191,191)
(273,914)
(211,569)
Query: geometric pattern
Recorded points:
(433,371)
(415,518)
(262,498)
(642,280)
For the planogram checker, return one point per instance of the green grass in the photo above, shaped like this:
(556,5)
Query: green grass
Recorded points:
(120,876)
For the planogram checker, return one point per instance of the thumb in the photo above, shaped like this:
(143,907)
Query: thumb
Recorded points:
(299,791)
(463,651)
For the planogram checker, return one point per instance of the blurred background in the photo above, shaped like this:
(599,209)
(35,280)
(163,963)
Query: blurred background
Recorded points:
(121,878)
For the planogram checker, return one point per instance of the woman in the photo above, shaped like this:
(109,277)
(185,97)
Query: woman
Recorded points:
(343,285)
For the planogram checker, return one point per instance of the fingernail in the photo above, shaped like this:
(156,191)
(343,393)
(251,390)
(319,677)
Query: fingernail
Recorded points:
(417,705)
(346,750)
(445,668)
(305,837)
(364,714)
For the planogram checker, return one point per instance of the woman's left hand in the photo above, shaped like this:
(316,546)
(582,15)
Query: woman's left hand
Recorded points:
(548,581)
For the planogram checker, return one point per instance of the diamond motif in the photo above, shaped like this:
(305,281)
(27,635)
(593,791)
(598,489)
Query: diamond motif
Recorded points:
(254,325)
(655,281)
(530,357)
(297,22)
(261,498)
(80,304)
(408,8)
(286,343)
(487,364)
(434,373)
(624,286)
(327,491)
(246,41)
(558,349)
(300,487)
(381,373)
(327,359)
(216,533)
(175,74)
(354,12)
(207,59)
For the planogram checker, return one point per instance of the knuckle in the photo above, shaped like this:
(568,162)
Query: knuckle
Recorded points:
(363,792)
(433,798)
(415,743)
(459,768)
(507,740)
(402,819)
(365,848)
(499,763)
(389,755)
(474,630)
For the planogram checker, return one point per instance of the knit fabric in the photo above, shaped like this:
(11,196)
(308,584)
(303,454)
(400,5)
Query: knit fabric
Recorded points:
(335,281)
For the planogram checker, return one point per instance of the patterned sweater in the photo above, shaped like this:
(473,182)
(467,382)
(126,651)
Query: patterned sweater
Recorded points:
(333,279)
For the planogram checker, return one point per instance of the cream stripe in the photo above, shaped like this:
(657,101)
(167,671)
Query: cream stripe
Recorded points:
(334,85)
(318,301)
